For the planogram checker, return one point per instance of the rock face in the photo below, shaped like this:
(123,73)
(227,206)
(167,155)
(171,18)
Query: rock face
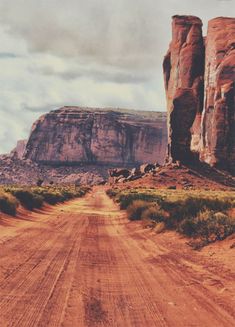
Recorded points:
(18,151)
(183,72)
(201,117)
(73,135)
(218,124)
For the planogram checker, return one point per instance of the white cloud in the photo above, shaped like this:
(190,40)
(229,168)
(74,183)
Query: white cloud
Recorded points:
(85,52)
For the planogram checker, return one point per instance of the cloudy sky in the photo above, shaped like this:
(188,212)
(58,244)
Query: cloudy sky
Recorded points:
(85,52)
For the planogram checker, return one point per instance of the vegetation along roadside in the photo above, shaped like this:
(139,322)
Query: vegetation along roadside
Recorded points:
(203,216)
(34,197)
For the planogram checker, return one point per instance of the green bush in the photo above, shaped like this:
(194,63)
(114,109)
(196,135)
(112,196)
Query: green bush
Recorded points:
(204,216)
(136,209)
(209,226)
(8,204)
(55,194)
(52,197)
(33,197)
(81,191)
(28,198)
(155,213)
(126,199)
(190,207)
(112,192)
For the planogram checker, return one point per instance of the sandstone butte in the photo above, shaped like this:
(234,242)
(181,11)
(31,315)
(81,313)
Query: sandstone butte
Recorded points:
(199,81)
(74,135)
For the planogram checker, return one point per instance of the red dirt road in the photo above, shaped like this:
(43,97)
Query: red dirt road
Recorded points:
(83,264)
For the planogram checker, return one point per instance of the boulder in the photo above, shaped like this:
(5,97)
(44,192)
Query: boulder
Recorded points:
(122,172)
(146,168)
(135,172)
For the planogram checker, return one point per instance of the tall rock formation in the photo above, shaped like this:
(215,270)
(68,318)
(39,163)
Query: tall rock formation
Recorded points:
(218,124)
(73,135)
(207,126)
(183,73)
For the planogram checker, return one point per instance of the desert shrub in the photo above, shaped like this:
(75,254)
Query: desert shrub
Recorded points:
(52,197)
(81,191)
(28,198)
(68,195)
(37,202)
(155,213)
(55,194)
(185,208)
(33,197)
(8,204)
(112,192)
(127,199)
(135,210)
(209,226)
(203,215)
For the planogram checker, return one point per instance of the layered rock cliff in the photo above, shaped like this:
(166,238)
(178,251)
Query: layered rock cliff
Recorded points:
(73,135)
(218,124)
(200,103)
(183,72)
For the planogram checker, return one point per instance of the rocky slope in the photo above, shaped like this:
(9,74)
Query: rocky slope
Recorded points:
(73,135)
(27,172)
(200,91)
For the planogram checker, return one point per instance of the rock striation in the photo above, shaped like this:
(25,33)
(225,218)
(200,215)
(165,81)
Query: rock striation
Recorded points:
(74,135)
(183,73)
(218,124)
(199,81)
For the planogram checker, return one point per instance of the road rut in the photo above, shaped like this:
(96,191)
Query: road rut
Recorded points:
(83,264)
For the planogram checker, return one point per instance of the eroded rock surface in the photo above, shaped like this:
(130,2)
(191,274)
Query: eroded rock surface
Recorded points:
(19,150)
(183,73)
(201,108)
(73,135)
(218,125)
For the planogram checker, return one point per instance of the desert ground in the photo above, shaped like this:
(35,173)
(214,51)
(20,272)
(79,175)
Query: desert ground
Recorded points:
(83,263)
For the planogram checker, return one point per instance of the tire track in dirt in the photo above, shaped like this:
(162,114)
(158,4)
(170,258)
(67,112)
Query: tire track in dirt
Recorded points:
(84,264)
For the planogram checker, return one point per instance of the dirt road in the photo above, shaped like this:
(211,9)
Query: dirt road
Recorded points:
(84,264)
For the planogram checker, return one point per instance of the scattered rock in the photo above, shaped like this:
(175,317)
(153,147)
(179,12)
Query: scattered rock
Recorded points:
(122,172)
(26,172)
(135,172)
(146,168)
